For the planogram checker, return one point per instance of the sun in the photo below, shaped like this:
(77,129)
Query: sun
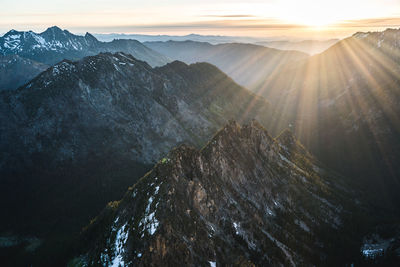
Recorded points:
(310,17)
(325,13)
(314,13)
(315,22)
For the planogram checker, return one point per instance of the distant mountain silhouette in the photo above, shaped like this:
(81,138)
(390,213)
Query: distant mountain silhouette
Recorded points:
(307,46)
(247,64)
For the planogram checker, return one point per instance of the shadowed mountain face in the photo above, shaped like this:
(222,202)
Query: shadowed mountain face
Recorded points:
(245,199)
(247,64)
(81,132)
(344,105)
(75,107)
(16,71)
(54,45)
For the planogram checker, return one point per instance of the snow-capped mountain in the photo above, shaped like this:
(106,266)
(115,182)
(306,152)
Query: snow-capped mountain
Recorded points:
(54,45)
(53,39)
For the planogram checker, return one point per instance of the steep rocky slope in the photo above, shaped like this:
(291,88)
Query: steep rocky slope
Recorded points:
(245,199)
(247,64)
(345,101)
(54,45)
(77,108)
(81,132)
(16,71)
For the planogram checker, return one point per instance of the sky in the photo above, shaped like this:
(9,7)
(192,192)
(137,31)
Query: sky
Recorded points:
(302,19)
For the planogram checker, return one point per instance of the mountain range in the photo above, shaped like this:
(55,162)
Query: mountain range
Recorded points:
(81,132)
(307,46)
(209,186)
(212,39)
(283,42)
(54,45)
(247,64)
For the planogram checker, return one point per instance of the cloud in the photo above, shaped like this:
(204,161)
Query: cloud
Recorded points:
(230,16)
(374,22)
(217,24)
(229,22)
(203,25)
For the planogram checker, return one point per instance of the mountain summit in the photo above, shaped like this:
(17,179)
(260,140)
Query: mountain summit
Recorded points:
(244,199)
(81,132)
(54,45)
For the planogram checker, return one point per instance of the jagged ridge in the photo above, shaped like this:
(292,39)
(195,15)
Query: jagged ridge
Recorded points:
(81,132)
(54,45)
(243,199)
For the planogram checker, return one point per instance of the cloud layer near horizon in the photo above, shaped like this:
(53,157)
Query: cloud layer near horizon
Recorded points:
(233,17)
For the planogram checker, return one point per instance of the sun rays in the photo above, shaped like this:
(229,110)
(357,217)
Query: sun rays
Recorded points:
(342,100)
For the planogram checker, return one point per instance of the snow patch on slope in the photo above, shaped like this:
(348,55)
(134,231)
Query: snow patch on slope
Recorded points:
(150,221)
(120,240)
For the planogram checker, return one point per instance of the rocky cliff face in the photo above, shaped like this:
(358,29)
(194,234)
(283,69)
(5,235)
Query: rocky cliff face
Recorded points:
(244,199)
(81,132)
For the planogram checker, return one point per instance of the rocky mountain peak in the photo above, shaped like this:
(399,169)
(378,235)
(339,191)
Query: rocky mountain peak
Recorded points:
(54,29)
(90,37)
(88,68)
(104,113)
(228,139)
(232,135)
(55,33)
(12,31)
(221,205)
(55,44)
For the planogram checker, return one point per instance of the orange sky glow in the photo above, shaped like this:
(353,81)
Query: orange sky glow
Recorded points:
(298,19)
